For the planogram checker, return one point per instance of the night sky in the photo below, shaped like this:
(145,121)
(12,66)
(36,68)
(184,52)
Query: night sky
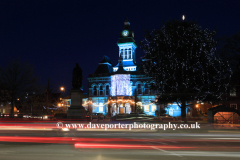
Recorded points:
(53,35)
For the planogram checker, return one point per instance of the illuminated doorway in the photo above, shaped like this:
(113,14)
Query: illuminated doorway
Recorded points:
(114,109)
(128,108)
(121,108)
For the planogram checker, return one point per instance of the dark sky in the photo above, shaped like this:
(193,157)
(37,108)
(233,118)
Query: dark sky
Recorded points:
(53,35)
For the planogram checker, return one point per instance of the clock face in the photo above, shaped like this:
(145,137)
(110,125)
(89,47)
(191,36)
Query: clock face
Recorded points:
(125,33)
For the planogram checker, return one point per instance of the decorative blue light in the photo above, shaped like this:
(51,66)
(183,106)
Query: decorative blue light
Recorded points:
(130,68)
(125,68)
(174,110)
(120,85)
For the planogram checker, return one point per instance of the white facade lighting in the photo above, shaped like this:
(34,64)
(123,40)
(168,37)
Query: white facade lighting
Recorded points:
(120,85)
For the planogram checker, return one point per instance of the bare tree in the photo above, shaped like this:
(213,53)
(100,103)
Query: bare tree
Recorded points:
(17,79)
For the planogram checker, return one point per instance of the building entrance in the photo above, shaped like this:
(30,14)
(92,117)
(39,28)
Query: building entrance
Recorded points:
(122,110)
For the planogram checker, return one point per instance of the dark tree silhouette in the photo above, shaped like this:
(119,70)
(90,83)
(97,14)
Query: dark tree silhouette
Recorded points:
(229,50)
(181,59)
(17,79)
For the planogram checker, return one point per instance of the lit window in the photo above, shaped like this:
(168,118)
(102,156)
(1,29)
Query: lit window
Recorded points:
(121,52)
(101,90)
(233,106)
(100,107)
(153,108)
(146,108)
(115,69)
(129,53)
(125,55)
(233,92)
(128,108)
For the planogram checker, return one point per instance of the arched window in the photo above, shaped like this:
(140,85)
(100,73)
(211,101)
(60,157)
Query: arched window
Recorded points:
(101,90)
(107,90)
(125,55)
(121,52)
(146,88)
(128,108)
(95,90)
(139,89)
(129,54)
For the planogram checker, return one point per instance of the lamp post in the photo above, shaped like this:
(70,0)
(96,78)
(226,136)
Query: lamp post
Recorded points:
(62,89)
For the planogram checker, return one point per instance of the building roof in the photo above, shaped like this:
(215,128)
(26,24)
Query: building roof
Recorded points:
(105,66)
(222,108)
(106,60)
(121,70)
(127,63)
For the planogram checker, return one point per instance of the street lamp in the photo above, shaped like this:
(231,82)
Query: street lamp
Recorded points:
(62,89)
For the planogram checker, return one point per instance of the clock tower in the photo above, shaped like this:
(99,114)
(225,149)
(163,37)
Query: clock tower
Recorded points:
(127,46)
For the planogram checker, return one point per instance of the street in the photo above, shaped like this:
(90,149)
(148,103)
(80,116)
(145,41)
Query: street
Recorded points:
(74,144)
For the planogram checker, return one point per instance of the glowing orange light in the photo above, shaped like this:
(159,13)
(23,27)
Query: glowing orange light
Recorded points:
(62,88)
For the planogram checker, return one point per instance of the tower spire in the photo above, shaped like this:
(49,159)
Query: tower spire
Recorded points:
(127,22)
(127,46)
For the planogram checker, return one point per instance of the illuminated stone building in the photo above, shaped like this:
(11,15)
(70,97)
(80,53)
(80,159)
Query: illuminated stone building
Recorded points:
(121,88)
